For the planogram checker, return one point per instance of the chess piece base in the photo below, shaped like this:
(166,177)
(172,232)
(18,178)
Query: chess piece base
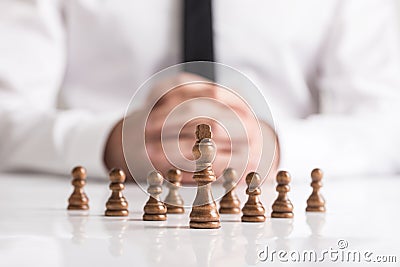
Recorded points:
(205,216)
(78,207)
(229,210)
(175,209)
(260,218)
(154,217)
(282,215)
(116,213)
(205,225)
(315,209)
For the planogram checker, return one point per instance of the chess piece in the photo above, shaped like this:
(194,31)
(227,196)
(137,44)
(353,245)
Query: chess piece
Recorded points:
(204,214)
(174,201)
(316,202)
(282,207)
(154,210)
(78,199)
(117,204)
(230,203)
(253,210)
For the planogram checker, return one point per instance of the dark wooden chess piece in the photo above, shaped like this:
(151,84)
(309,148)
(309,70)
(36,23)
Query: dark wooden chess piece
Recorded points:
(316,202)
(154,210)
(204,214)
(230,203)
(282,207)
(174,201)
(78,199)
(253,210)
(117,204)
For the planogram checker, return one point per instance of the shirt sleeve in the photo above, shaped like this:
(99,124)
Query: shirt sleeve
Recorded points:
(34,134)
(357,129)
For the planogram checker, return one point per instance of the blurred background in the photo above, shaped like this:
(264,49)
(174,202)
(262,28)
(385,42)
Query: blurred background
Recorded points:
(327,76)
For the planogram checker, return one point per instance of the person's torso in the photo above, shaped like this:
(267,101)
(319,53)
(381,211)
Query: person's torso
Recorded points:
(114,46)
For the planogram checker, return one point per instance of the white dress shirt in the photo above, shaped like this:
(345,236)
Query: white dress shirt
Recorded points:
(329,69)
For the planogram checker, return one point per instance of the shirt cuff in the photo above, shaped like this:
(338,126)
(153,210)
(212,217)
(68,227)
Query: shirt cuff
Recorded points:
(87,144)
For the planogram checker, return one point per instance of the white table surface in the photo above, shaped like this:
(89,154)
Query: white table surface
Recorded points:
(37,230)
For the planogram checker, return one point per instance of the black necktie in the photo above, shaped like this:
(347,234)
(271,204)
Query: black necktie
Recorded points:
(198,37)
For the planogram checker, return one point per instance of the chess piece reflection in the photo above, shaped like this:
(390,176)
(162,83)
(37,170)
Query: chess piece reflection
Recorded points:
(253,210)
(316,222)
(230,235)
(78,223)
(282,207)
(230,203)
(156,244)
(282,230)
(154,210)
(174,240)
(253,233)
(204,244)
(316,202)
(174,201)
(204,214)
(117,231)
(78,199)
(117,204)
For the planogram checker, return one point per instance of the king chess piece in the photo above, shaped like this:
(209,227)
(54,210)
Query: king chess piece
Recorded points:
(204,214)
(78,199)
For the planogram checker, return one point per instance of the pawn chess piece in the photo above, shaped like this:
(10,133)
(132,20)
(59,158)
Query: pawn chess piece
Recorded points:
(174,201)
(117,204)
(78,199)
(154,210)
(253,210)
(204,214)
(230,203)
(316,202)
(282,207)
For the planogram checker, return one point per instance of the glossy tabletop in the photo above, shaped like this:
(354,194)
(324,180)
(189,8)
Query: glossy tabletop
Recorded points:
(361,224)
